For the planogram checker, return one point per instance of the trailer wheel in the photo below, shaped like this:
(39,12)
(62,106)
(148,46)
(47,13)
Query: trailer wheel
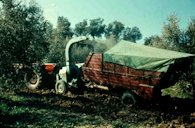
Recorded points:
(32,79)
(128,99)
(60,87)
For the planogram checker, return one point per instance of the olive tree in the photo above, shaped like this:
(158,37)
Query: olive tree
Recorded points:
(23,33)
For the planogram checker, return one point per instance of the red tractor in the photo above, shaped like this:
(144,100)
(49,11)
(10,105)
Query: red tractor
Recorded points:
(44,74)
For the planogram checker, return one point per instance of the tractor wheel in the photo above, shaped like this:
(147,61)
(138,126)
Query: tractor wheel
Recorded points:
(60,87)
(128,99)
(32,79)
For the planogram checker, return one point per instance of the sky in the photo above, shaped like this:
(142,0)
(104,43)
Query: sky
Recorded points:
(148,15)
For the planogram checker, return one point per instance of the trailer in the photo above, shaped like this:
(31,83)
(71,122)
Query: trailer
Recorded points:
(134,68)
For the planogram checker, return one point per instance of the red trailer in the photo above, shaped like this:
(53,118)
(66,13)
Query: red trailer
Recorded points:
(115,75)
(143,70)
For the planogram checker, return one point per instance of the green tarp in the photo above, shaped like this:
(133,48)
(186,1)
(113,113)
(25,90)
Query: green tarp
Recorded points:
(143,57)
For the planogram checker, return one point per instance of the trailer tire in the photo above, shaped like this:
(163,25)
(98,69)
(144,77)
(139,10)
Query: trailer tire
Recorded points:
(60,87)
(32,79)
(128,99)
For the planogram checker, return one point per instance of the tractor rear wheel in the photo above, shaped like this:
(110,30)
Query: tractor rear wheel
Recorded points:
(33,79)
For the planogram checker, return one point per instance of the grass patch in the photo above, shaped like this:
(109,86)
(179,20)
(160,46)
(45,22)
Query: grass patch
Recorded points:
(181,89)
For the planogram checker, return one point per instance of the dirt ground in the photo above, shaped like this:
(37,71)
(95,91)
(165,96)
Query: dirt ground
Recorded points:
(93,109)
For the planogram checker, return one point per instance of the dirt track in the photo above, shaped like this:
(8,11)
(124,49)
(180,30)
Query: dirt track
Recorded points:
(44,108)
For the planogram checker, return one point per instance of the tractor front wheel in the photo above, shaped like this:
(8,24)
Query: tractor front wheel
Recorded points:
(60,87)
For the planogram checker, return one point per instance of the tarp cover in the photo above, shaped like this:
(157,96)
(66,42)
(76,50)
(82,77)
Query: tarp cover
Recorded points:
(143,57)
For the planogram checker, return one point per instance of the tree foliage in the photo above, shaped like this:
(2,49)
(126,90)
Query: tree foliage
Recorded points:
(57,53)
(190,32)
(171,32)
(26,37)
(133,34)
(63,27)
(96,27)
(59,38)
(114,29)
(23,34)
(155,41)
(81,28)
(173,37)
